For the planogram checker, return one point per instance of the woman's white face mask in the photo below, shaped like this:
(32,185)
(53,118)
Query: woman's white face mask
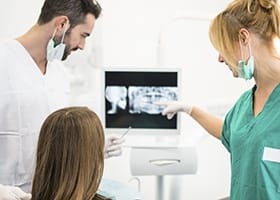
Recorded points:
(56,51)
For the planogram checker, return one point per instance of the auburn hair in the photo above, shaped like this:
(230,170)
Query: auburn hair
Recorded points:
(70,156)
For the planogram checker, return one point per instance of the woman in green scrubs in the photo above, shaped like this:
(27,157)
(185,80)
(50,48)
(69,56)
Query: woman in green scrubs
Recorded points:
(247,36)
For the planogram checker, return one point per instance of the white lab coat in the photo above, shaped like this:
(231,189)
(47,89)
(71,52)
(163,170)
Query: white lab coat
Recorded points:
(27,97)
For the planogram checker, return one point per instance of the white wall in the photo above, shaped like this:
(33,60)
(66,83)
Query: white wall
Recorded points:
(128,35)
(17,16)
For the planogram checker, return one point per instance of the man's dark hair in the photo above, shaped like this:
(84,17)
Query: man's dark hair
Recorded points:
(75,10)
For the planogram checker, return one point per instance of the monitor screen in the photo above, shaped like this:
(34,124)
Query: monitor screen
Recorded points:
(129,96)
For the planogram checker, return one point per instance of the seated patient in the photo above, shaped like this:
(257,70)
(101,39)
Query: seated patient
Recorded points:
(70,156)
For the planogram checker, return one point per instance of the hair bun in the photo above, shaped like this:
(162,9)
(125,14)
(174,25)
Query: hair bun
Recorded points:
(268,4)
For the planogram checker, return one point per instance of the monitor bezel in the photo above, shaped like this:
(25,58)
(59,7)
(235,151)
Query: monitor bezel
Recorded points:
(136,131)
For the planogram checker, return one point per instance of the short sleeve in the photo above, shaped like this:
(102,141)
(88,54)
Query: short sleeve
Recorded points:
(226,132)
(231,116)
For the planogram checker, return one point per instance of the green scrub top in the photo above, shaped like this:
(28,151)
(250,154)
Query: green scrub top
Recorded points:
(254,146)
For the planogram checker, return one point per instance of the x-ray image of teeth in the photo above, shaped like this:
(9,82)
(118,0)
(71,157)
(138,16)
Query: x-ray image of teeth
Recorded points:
(141,99)
(116,95)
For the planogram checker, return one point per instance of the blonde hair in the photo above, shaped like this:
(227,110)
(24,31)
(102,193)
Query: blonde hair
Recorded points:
(70,158)
(261,17)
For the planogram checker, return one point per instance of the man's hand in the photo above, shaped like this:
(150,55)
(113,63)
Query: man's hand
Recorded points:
(13,193)
(113,146)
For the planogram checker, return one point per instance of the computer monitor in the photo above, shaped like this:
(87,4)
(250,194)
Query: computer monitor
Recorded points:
(129,96)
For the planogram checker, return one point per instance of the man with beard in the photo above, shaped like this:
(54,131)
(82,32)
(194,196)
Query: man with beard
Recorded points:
(34,85)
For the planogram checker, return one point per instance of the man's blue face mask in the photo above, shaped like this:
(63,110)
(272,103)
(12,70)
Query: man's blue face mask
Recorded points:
(56,51)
